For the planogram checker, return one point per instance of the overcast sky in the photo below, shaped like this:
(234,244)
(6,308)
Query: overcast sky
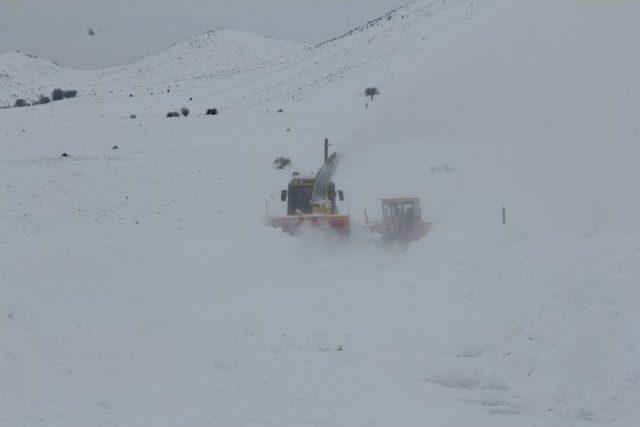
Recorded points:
(128,29)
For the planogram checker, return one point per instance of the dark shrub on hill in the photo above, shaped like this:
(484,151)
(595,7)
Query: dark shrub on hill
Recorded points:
(212,112)
(282,162)
(185,111)
(70,93)
(21,103)
(57,95)
(173,114)
(44,99)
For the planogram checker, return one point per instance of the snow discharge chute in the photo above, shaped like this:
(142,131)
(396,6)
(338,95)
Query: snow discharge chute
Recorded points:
(323,183)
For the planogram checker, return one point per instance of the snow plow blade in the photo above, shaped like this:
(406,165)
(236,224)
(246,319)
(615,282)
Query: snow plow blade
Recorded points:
(292,224)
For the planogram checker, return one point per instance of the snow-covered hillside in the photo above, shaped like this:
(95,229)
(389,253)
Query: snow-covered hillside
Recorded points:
(141,287)
(210,56)
(240,70)
(125,30)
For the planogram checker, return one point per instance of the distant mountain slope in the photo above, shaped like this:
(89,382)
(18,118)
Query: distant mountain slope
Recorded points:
(210,54)
(245,69)
(126,30)
(370,54)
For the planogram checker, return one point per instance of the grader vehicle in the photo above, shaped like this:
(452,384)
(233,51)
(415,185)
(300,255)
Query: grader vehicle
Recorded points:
(401,221)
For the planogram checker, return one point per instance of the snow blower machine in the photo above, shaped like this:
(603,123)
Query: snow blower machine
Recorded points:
(311,200)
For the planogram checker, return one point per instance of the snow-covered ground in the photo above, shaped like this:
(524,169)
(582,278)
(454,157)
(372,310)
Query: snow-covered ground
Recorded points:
(140,285)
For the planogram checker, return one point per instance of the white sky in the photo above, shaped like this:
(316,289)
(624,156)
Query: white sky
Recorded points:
(128,29)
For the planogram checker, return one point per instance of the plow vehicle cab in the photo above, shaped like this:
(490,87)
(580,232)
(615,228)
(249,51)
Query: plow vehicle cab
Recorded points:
(299,196)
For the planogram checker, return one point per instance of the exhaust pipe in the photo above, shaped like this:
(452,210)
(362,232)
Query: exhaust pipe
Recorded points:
(326,150)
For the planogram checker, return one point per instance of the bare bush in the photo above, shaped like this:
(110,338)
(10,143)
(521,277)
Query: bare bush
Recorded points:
(57,95)
(282,162)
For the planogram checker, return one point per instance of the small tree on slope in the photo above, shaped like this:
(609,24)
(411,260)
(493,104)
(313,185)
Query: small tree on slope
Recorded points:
(371,91)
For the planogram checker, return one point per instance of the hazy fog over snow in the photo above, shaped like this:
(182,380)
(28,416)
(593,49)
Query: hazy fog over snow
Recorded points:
(127,29)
